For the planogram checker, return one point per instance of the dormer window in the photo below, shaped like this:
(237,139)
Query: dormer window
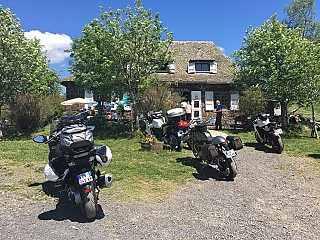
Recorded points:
(202,66)
(168,67)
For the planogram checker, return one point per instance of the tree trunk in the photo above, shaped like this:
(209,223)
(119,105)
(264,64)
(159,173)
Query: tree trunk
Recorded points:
(284,113)
(135,113)
(314,131)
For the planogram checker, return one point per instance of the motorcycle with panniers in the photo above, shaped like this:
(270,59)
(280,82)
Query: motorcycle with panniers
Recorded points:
(169,129)
(216,150)
(73,159)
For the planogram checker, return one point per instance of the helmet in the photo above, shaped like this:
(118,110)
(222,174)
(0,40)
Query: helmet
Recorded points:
(104,156)
(50,174)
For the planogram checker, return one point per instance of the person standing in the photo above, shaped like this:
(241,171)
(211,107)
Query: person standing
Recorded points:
(188,111)
(218,111)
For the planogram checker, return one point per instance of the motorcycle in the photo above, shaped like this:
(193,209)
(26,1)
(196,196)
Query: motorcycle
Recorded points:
(217,150)
(268,132)
(72,164)
(171,131)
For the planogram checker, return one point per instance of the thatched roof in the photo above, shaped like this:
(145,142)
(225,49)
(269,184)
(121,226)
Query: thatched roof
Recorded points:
(187,51)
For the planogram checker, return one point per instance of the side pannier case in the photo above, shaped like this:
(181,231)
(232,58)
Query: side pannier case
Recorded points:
(234,142)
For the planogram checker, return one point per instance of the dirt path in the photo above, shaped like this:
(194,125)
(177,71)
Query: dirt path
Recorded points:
(270,199)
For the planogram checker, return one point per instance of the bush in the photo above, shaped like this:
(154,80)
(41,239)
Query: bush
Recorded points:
(158,98)
(30,112)
(252,101)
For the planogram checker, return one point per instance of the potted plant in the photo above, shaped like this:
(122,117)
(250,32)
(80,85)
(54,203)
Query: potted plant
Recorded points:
(150,143)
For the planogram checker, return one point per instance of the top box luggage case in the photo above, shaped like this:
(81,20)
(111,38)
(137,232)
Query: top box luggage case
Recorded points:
(175,114)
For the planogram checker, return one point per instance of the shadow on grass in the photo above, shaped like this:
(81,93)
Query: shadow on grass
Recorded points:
(64,210)
(204,172)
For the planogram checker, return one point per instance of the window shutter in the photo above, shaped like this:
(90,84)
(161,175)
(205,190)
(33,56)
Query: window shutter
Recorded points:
(209,100)
(234,104)
(213,67)
(191,67)
(172,68)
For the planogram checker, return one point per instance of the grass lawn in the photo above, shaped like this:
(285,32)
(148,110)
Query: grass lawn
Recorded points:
(140,176)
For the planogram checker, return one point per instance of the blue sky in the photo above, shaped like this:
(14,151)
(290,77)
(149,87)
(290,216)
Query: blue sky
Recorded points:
(57,22)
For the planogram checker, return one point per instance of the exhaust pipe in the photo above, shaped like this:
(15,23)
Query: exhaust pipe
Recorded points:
(105,181)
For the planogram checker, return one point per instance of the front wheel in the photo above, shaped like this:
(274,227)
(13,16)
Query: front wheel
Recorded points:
(175,143)
(89,199)
(258,139)
(277,144)
(229,169)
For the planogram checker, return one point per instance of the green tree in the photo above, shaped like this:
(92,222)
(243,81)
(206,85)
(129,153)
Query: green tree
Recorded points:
(276,59)
(23,66)
(119,52)
(301,14)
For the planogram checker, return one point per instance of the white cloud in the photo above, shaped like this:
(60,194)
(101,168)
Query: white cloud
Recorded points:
(54,44)
(221,49)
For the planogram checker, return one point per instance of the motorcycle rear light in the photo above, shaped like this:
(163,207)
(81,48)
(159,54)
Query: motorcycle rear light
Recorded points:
(224,143)
(88,190)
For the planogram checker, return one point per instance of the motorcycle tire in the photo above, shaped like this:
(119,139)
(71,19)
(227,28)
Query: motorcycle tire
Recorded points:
(256,135)
(277,144)
(229,170)
(175,143)
(89,204)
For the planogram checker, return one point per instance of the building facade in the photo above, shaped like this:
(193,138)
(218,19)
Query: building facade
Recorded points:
(200,72)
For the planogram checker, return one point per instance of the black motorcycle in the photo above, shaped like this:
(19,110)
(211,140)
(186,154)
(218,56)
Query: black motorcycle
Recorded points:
(72,163)
(214,150)
(267,131)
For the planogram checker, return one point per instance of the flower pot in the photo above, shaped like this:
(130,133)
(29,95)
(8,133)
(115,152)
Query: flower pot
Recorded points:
(155,147)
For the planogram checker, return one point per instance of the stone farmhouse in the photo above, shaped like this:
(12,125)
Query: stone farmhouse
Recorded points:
(201,73)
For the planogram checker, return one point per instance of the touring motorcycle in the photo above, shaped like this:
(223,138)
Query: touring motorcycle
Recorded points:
(217,150)
(268,132)
(170,131)
(73,159)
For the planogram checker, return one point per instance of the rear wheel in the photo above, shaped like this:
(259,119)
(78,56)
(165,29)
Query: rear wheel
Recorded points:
(89,204)
(229,169)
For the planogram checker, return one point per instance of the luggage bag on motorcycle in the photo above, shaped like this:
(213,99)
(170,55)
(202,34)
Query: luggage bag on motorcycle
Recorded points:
(234,142)
(76,139)
(209,151)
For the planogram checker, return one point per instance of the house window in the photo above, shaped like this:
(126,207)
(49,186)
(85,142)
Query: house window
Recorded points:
(209,100)
(202,66)
(224,99)
(234,102)
(167,67)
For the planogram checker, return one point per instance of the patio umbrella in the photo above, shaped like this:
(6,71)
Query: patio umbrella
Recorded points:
(125,101)
(76,101)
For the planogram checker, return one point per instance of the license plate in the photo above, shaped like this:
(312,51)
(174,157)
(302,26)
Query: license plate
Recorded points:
(278,131)
(230,153)
(85,178)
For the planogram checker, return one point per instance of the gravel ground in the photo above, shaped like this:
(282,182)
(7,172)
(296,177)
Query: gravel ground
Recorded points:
(269,199)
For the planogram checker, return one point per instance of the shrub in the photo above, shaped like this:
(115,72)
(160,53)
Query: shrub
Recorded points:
(252,101)
(30,112)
